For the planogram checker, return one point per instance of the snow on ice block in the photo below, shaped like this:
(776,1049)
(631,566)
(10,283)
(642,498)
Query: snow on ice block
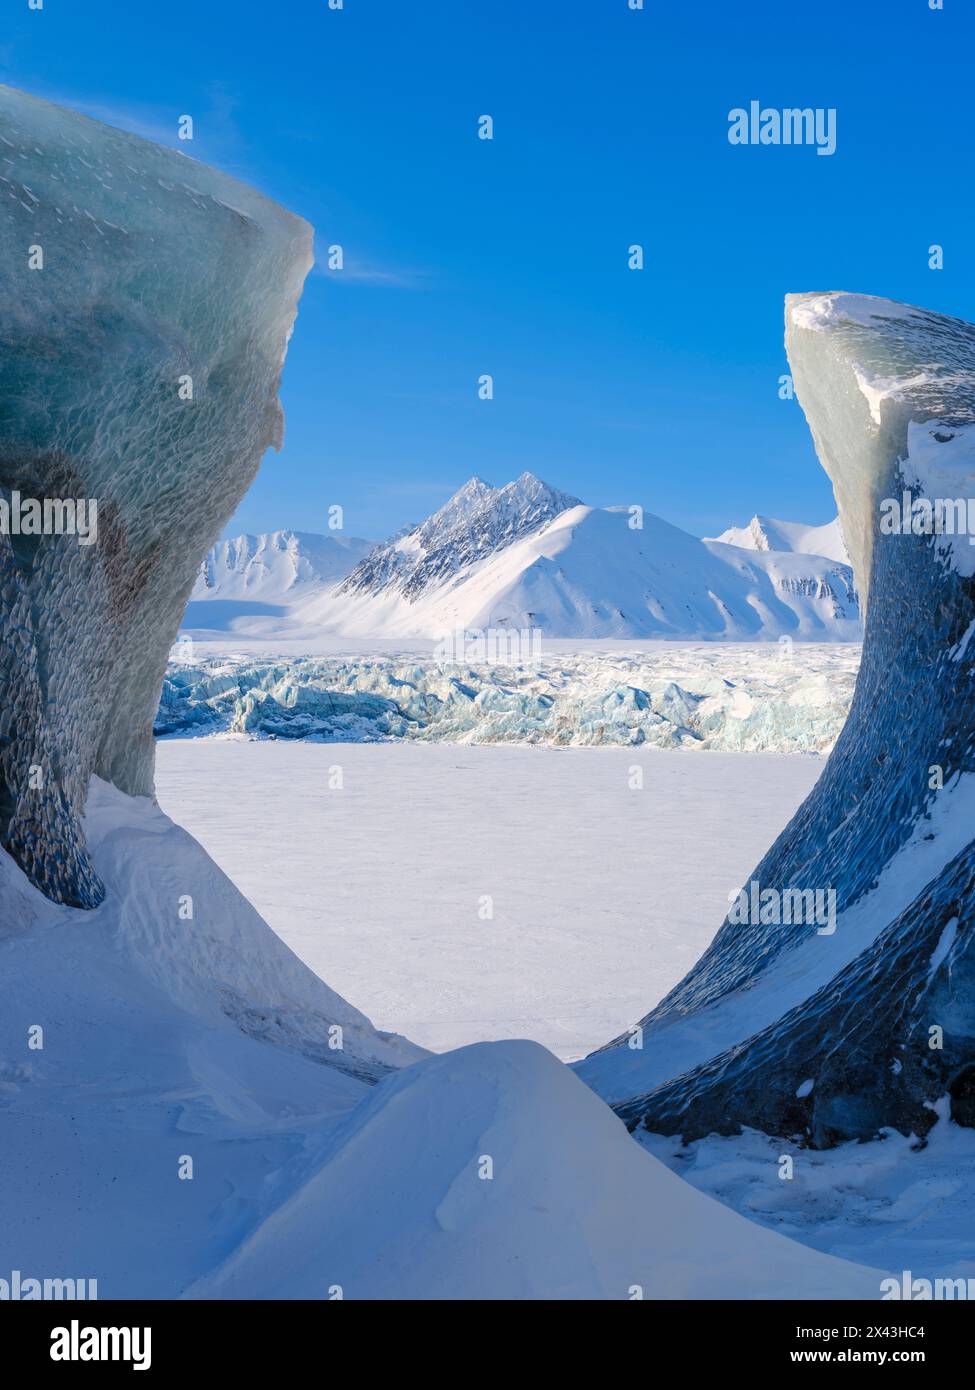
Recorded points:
(876,379)
(145,307)
(492,1172)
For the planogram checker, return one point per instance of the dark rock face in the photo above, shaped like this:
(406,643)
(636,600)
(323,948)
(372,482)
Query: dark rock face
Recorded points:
(884,1038)
(477,521)
(145,307)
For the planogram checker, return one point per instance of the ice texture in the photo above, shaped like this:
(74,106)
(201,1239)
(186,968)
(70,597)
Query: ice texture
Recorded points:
(866,370)
(888,825)
(155,269)
(734,699)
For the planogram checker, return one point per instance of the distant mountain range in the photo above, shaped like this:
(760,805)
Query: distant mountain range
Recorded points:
(765,533)
(527,555)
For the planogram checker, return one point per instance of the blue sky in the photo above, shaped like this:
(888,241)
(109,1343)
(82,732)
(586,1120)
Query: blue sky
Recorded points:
(466,256)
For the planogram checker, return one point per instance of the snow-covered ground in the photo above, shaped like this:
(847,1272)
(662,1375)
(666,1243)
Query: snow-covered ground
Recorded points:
(604,895)
(182,1127)
(891,1203)
(376,886)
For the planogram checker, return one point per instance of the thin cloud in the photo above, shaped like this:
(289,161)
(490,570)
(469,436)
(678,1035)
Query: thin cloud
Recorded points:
(360,274)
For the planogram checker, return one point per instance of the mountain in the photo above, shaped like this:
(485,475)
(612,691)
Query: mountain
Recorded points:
(765,533)
(476,522)
(253,582)
(275,565)
(527,555)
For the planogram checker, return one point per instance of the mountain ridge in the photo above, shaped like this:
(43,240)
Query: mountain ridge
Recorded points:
(768,533)
(527,555)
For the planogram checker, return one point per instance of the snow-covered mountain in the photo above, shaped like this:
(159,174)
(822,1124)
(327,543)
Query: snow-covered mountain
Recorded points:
(478,521)
(274,566)
(765,533)
(527,555)
(252,584)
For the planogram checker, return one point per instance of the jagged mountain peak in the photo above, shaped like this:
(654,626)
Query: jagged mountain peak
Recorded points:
(476,521)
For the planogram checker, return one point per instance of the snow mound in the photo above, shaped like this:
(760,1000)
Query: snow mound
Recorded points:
(491,1172)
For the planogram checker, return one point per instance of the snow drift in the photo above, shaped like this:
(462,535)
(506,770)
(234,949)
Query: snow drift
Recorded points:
(491,1172)
(834,1034)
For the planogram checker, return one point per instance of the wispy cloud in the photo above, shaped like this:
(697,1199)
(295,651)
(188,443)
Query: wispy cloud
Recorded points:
(361,273)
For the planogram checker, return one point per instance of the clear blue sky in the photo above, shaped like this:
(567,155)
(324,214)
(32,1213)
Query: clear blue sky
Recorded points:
(466,256)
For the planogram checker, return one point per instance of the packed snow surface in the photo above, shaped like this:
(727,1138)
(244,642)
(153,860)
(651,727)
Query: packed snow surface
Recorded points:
(170,1041)
(890,1203)
(583,929)
(572,954)
(785,698)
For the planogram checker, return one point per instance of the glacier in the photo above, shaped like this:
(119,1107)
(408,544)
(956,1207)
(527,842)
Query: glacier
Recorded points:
(736,699)
(154,276)
(832,1037)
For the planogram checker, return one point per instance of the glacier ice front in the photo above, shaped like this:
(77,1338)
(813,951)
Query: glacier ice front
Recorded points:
(732,698)
(145,307)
